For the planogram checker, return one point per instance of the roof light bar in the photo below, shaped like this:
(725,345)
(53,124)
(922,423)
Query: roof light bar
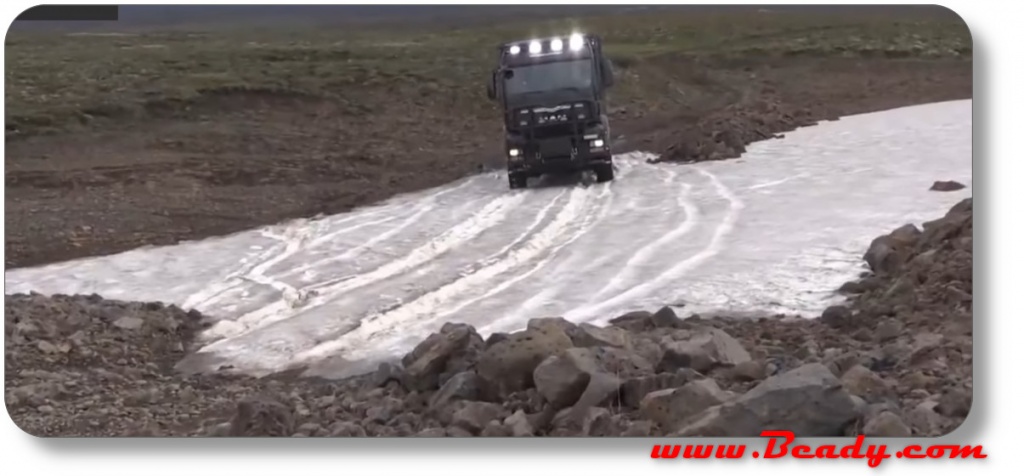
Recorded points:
(576,42)
(534,47)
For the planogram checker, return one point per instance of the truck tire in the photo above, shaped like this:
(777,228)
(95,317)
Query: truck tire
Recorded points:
(604,172)
(516,180)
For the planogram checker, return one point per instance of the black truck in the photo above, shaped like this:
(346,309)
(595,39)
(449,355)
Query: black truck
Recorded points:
(552,93)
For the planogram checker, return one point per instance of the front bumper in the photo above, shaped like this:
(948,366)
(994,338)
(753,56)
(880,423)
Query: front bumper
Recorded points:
(559,154)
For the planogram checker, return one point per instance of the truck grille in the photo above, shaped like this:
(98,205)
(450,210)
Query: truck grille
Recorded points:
(551,118)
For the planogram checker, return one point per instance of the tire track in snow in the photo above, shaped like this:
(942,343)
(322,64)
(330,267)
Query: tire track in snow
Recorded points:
(713,248)
(488,261)
(527,308)
(393,320)
(490,215)
(233,280)
(628,271)
(626,168)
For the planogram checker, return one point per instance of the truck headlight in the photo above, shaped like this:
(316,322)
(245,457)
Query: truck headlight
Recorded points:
(576,42)
(597,143)
(513,152)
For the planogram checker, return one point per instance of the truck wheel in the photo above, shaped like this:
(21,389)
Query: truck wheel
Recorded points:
(516,181)
(604,172)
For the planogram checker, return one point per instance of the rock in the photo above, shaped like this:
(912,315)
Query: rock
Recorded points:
(560,378)
(636,321)
(428,360)
(508,366)
(666,317)
(386,372)
(383,412)
(642,428)
(462,386)
(592,336)
(495,428)
(220,429)
(955,403)
(594,422)
(888,252)
(346,429)
(563,379)
(130,323)
(888,329)
(309,429)
(519,424)
(636,388)
(710,348)
(748,371)
(852,287)
(458,432)
(886,424)
(925,421)
(946,186)
(837,316)
(556,324)
(262,417)
(495,338)
(860,381)
(808,400)
(670,407)
(433,433)
(474,416)
(640,321)
(648,349)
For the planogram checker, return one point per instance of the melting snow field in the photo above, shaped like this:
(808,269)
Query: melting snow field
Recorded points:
(777,230)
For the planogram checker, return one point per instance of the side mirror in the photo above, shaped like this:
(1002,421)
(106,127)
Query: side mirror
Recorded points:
(607,75)
(491,94)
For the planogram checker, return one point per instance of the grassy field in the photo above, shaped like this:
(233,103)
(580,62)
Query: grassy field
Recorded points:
(58,81)
(149,136)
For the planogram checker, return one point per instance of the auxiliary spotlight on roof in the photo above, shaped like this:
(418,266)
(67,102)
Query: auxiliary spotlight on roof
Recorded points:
(576,42)
(534,47)
(514,49)
(556,44)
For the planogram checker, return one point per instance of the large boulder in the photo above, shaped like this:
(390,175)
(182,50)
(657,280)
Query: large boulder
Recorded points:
(462,386)
(808,401)
(441,355)
(508,365)
(708,348)
(640,321)
(672,406)
(564,378)
(594,336)
(475,416)
(887,253)
(636,388)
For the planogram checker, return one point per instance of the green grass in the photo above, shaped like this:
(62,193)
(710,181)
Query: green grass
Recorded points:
(54,81)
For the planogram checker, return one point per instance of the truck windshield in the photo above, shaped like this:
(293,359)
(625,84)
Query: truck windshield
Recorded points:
(575,74)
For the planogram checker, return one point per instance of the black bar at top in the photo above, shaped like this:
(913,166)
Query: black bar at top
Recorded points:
(70,13)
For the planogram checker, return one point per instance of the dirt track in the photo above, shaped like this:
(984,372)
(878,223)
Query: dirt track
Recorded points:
(239,159)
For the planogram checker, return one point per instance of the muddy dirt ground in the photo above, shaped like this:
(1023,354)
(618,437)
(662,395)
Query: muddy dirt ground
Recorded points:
(100,172)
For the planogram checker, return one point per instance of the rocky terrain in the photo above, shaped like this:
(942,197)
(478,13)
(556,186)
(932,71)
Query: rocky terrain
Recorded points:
(895,360)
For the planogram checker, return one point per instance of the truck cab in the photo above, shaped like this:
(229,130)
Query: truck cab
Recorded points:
(552,94)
